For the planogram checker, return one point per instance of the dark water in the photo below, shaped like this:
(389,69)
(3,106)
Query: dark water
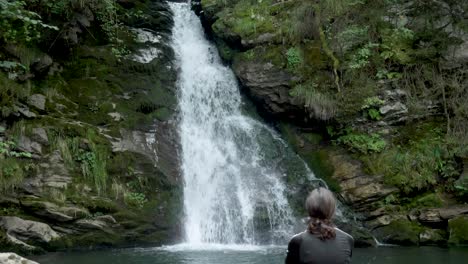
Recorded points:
(265,255)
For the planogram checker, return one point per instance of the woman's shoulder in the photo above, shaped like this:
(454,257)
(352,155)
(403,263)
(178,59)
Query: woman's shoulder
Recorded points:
(344,235)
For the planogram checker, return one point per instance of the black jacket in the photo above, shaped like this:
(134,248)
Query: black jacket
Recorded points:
(306,248)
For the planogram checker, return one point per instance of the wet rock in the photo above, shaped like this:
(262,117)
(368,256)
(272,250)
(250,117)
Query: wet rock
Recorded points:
(12,258)
(54,212)
(24,232)
(38,101)
(268,85)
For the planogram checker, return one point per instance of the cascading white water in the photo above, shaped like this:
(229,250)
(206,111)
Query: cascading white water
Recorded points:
(230,180)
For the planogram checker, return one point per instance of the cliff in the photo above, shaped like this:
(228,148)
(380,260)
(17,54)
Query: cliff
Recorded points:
(369,94)
(88,146)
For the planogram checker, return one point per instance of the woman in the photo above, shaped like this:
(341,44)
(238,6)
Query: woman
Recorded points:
(322,242)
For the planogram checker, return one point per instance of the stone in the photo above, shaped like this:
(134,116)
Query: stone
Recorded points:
(12,258)
(37,101)
(91,224)
(52,173)
(22,232)
(109,219)
(397,107)
(458,230)
(24,111)
(27,145)
(39,135)
(439,215)
(433,237)
(116,116)
(42,64)
(54,212)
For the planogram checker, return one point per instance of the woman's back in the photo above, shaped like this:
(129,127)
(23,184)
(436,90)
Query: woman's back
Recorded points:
(307,248)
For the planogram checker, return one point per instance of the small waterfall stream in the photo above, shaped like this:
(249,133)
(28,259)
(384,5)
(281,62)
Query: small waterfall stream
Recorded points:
(230,162)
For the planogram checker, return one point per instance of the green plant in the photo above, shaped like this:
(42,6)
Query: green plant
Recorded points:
(18,23)
(294,58)
(361,57)
(11,174)
(370,107)
(363,143)
(135,199)
(7,149)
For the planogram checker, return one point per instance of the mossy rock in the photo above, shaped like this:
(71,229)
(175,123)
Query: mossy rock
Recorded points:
(433,237)
(400,232)
(458,229)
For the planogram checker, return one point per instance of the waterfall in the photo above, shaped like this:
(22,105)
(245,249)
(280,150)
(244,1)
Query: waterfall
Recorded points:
(230,162)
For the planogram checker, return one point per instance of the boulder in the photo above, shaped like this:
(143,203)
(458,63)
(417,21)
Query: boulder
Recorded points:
(38,101)
(22,232)
(433,237)
(12,258)
(458,230)
(400,232)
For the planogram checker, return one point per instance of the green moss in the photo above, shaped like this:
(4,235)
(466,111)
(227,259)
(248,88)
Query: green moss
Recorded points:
(414,160)
(458,229)
(400,232)
(163,114)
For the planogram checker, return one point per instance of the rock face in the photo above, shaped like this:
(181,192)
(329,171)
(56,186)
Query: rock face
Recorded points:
(357,188)
(268,85)
(12,258)
(98,163)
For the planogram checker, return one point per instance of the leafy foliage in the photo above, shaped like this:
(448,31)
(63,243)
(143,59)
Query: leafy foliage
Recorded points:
(363,143)
(18,23)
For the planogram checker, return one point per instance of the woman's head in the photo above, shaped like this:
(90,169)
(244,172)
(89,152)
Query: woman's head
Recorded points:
(320,205)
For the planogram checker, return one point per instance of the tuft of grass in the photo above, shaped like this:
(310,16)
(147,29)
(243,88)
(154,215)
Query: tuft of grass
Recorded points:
(318,104)
(11,174)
